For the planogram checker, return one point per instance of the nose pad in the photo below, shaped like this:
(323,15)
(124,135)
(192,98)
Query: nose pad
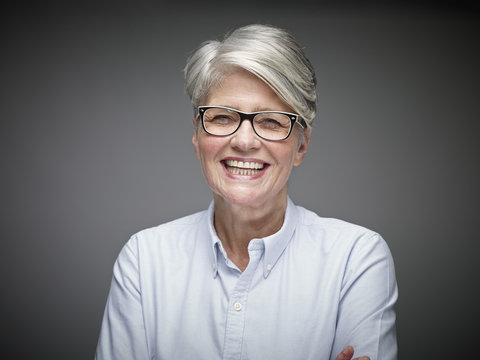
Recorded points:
(247,123)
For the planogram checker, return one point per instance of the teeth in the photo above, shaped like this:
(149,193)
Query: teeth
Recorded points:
(237,171)
(244,164)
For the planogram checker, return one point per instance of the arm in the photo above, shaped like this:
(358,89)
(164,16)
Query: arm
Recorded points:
(123,331)
(366,315)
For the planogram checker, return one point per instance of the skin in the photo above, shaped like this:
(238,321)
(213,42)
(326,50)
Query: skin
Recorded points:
(249,206)
(347,354)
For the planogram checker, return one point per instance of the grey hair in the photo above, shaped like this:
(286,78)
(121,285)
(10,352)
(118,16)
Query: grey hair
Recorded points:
(270,53)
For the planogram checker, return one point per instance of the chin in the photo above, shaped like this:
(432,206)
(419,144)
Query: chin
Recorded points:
(240,198)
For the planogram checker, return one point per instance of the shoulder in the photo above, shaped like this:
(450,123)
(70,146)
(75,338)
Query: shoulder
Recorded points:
(173,228)
(338,236)
(168,238)
(355,250)
(310,218)
(330,227)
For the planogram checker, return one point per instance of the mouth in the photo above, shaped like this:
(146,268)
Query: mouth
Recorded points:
(246,168)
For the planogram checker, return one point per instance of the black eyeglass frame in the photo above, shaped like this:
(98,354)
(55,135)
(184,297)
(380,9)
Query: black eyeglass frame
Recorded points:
(294,118)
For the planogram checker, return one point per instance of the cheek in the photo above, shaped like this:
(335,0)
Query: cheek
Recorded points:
(209,147)
(285,155)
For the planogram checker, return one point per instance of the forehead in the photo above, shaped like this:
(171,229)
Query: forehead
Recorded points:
(246,92)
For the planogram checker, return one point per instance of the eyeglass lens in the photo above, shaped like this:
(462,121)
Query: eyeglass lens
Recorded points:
(272,126)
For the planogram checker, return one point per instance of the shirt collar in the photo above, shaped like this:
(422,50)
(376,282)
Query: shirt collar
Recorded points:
(214,238)
(274,244)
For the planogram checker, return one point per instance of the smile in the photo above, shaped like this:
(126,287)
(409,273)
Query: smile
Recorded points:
(235,167)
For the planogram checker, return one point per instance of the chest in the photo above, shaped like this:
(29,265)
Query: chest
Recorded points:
(288,314)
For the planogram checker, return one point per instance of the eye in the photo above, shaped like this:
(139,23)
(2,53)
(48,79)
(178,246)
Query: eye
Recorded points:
(272,121)
(222,119)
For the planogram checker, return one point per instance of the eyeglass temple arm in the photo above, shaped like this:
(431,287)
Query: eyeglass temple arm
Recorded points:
(301,122)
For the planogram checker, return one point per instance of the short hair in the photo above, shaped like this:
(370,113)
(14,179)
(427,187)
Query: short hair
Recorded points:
(270,53)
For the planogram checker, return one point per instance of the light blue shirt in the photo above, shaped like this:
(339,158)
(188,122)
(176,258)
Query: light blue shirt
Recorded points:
(309,290)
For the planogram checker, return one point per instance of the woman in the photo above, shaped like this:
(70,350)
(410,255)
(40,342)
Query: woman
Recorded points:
(254,276)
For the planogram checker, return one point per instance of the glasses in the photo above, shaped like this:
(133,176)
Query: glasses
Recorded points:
(269,125)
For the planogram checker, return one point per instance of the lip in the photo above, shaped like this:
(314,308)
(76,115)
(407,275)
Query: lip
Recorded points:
(243,177)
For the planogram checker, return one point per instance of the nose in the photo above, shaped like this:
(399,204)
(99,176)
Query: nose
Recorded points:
(245,139)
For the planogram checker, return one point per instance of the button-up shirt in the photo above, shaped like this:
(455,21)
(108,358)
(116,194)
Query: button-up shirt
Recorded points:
(309,290)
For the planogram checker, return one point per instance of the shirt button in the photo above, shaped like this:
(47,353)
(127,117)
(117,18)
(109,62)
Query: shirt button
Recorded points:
(237,306)
(269,267)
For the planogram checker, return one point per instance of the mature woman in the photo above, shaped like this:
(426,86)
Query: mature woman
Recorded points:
(254,276)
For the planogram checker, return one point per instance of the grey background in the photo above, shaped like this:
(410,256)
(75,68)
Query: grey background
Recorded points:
(95,145)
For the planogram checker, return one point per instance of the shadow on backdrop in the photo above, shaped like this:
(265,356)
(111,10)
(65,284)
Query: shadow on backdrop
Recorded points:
(95,140)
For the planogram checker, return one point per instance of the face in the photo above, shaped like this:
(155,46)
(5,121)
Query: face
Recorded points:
(242,168)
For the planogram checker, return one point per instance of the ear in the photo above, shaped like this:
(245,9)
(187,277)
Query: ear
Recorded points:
(303,148)
(195,138)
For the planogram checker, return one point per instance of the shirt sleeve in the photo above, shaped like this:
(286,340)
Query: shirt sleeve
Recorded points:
(366,314)
(122,335)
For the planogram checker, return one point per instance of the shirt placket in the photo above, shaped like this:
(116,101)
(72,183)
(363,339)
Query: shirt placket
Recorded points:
(237,309)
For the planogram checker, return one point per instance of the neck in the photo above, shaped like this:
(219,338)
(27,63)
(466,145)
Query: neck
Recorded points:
(236,225)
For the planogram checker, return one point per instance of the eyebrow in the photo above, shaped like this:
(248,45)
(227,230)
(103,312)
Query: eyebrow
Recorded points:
(257,109)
